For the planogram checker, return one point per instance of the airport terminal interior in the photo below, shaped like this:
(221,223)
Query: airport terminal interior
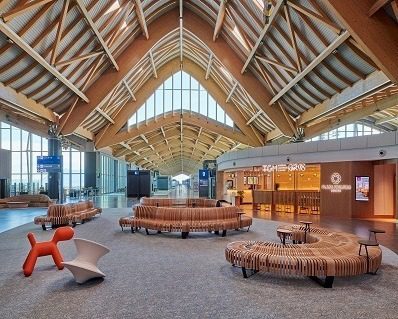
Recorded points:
(198,158)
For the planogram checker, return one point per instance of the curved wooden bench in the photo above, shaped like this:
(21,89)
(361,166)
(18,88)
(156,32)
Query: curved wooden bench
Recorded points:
(186,220)
(39,200)
(57,215)
(178,202)
(64,214)
(83,211)
(326,254)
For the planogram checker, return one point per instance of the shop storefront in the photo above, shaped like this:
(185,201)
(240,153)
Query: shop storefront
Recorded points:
(290,188)
(342,180)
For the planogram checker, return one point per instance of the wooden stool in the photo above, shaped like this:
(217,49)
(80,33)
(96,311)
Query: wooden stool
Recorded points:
(375,231)
(366,243)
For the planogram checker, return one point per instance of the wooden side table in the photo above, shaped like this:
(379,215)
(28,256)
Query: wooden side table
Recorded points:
(366,243)
(375,231)
(284,233)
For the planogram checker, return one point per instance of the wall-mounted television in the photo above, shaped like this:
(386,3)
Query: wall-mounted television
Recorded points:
(362,187)
(49,164)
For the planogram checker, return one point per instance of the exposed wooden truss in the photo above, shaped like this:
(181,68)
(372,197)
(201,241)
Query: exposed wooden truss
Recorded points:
(220,19)
(296,76)
(141,18)
(377,35)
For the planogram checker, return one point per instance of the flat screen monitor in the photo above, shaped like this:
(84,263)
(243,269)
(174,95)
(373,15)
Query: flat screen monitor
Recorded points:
(49,164)
(362,188)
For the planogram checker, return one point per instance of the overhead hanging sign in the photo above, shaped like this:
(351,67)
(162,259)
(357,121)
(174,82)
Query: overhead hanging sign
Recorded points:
(291,167)
(336,187)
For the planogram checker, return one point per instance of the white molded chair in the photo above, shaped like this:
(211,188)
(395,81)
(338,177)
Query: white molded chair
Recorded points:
(84,266)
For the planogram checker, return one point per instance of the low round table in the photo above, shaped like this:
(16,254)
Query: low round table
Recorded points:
(17,204)
(284,233)
(367,243)
(375,231)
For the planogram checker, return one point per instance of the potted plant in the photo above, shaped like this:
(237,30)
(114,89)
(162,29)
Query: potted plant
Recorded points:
(239,198)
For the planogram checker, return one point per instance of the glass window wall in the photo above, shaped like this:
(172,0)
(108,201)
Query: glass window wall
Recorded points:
(180,92)
(350,130)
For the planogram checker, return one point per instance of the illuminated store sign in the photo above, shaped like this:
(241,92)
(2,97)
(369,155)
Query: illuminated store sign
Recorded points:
(336,187)
(293,167)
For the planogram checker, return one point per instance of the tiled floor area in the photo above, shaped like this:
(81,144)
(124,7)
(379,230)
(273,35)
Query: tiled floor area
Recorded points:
(11,218)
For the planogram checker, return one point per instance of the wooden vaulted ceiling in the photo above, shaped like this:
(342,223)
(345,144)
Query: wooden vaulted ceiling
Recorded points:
(279,69)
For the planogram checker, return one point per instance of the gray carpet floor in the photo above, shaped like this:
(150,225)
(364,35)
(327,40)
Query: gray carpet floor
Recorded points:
(164,276)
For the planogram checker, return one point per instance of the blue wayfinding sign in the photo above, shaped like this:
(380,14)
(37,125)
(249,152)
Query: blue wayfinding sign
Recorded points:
(49,164)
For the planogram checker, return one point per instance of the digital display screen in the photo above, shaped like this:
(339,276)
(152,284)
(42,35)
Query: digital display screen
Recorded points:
(362,188)
(49,164)
(203,177)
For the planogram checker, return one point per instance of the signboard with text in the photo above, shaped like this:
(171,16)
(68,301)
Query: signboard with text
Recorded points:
(49,164)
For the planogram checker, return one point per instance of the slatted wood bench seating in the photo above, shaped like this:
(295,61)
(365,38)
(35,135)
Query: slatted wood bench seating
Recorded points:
(178,202)
(64,214)
(326,254)
(83,211)
(57,215)
(186,220)
(39,200)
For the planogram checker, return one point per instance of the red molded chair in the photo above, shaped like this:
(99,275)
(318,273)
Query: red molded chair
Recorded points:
(46,248)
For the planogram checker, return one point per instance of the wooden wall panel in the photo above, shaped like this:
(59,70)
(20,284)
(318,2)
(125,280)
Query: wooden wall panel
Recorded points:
(384,190)
(336,204)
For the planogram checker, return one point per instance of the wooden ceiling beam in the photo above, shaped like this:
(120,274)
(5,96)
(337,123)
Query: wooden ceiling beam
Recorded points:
(20,102)
(169,134)
(105,115)
(8,32)
(220,19)
(126,60)
(155,74)
(325,126)
(377,35)
(275,11)
(60,28)
(154,124)
(22,8)
(315,16)
(314,63)
(97,33)
(374,82)
(208,69)
(141,18)
(233,64)
(78,58)
(377,6)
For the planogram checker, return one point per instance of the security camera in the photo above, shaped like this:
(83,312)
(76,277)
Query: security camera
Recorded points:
(288,159)
(382,153)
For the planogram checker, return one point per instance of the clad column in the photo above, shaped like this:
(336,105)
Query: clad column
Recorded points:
(55,178)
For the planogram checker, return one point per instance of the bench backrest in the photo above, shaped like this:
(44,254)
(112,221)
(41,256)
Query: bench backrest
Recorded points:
(81,206)
(168,202)
(38,198)
(186,214)
(59,210)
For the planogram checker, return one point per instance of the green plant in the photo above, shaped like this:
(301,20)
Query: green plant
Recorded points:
(240,194)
